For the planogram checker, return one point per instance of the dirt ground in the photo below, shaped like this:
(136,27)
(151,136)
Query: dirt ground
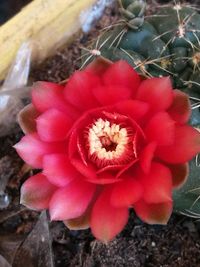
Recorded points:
(139,245)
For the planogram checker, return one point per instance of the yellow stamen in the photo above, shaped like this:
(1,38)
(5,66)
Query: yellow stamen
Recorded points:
(107,141)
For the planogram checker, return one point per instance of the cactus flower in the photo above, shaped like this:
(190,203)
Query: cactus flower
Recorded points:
(106,142)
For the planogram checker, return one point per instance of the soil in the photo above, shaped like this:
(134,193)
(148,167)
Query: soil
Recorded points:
(139,244)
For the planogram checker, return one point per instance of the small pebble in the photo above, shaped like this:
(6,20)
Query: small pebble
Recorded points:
(4,200)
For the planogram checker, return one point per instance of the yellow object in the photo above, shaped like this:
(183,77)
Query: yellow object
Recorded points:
(48,23)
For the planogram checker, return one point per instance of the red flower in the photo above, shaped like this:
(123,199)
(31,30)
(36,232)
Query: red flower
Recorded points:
(105,142)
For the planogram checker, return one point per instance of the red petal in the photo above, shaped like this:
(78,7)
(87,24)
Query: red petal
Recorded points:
(98,66)
(46,95)
(157,92)
(83,221)
(122,74)
(185,147)
(133,108)
(154,213)
(146,157)
(157,184)
(79,90)
(58,169)
(53,125)
(179,174)
(126,192)
(106,220)
(36,192)
(72,147)
(26,119)
(71,201)
(110,168)
(90,174)
(160,129)
(180,110)
(88,171)
(126,168)
(31,149)
(106,178)
(80,223)
(109,95)
(77,160)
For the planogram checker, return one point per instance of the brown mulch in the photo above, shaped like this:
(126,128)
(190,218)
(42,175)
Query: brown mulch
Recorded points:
(139,245)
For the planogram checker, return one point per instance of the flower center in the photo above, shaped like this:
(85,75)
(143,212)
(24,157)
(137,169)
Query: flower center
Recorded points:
(107,141)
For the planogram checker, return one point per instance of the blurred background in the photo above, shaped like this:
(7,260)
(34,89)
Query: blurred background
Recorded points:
(9,8)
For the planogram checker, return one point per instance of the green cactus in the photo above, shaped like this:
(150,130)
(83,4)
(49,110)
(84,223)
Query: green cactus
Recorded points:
(166,43)
(162,44)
